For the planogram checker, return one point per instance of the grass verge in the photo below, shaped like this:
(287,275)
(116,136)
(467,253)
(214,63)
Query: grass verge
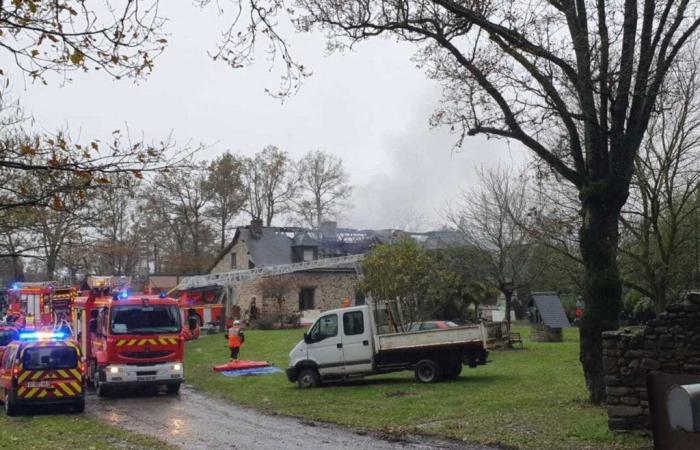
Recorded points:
(530,399)
(69,432)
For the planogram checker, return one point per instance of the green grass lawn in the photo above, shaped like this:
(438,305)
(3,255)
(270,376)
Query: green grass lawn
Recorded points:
(68,432)
(530,399)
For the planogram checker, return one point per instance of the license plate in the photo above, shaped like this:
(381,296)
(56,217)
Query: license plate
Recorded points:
(146,378)
(38,384)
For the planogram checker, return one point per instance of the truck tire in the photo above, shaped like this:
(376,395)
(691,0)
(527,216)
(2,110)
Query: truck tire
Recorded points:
(453,370)
(428,371)
(100,388)
(11,408)
(308,378)
(173,389)
(79,407)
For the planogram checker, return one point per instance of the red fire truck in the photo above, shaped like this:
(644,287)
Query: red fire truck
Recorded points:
(130,340)
(41,304)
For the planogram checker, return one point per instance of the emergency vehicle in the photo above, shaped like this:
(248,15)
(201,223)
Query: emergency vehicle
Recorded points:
(42,368)
(7,334)
(41,304)
(130,340)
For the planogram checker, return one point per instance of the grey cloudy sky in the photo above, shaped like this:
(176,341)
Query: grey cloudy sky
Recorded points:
(370,107)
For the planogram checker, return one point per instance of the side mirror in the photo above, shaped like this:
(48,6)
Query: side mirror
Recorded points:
(92,326)
(307,339)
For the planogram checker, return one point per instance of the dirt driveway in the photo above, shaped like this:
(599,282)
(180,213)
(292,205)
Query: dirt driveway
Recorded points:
(195,421)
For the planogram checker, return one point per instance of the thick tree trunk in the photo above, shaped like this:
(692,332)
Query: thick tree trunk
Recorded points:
(602,288)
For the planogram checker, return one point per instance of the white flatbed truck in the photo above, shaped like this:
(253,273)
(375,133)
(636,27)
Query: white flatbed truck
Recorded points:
(344,344)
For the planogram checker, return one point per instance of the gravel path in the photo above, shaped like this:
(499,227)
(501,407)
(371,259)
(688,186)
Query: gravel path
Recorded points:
(196,421)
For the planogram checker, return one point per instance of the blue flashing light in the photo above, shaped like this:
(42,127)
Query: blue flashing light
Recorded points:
(15,287)
(162,295)
(40,335)
(124,295)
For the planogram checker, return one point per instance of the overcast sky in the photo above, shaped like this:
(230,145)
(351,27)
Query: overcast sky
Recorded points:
(370,107)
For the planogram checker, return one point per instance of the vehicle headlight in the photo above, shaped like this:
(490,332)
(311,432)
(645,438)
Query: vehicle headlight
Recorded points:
(115,369)
(177,367)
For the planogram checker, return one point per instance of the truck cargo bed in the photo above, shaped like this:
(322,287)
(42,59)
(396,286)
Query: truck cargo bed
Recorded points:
(431,338)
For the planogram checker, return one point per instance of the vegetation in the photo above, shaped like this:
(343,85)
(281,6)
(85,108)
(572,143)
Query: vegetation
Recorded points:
(592,72)
(68,432)
(535,398)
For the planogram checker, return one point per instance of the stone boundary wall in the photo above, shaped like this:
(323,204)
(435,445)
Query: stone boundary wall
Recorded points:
(542,333)
(670,343)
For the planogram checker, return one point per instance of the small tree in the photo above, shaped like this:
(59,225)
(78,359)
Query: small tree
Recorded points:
(398,271)
(276,288)
(225,183)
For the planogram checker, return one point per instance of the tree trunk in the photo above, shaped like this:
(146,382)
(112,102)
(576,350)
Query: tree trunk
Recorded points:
(50,266)
(509,296)
(602,287)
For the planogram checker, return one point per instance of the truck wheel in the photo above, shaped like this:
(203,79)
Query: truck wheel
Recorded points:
(100,388)
(11,408)
(79,407)
(453,370)
(427,371)
(173,389)
(308,378)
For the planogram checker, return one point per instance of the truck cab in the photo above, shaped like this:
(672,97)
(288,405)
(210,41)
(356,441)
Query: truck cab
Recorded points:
(131,341)
(42,369)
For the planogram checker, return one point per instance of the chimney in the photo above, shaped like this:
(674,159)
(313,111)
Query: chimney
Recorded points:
(328,230)
(256,228)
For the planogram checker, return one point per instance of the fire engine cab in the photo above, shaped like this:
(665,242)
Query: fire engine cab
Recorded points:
(41,368)
(130,340)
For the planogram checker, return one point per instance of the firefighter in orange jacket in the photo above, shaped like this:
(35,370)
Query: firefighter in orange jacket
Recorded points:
(236,338)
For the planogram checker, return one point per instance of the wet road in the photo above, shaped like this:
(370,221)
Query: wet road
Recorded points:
(195,421)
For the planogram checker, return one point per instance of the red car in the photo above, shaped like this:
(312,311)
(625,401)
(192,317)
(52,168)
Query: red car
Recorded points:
(432,325)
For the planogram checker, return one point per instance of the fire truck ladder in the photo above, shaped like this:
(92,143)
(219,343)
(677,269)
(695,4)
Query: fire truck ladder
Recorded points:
(237,277)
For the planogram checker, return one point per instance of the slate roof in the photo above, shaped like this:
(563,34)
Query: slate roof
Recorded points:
(549,306)
(270,249)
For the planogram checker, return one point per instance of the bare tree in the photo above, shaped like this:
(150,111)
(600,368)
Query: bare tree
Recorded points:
(225,181)
(276,288)
(271,184)
(575,82)
(491,219)
(659,216)
(323,187)
(181,199)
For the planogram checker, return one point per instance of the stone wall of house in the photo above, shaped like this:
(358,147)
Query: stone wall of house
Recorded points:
(670,343)
(330,288)
(240,250)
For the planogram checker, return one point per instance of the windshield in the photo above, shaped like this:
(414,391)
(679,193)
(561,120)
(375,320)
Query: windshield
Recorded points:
(145,319)
(41,358)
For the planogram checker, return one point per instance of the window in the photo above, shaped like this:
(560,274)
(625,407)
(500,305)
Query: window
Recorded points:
(40,358)
(145,319)
(325,327)
(308,254)
(8,358)
(306,299)
(233,260)
(7,336)
(353,323)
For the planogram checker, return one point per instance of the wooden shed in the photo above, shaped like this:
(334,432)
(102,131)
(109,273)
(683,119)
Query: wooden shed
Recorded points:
(547,317)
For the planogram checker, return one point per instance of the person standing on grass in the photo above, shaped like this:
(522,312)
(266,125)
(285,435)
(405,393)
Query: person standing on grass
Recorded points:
(236,338)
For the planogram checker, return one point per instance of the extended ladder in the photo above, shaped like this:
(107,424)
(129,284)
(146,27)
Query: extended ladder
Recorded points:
(236,277)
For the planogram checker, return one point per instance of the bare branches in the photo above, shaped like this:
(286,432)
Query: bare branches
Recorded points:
(121,38)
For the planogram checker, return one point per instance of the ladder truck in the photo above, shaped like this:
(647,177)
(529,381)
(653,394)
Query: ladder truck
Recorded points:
(232,280)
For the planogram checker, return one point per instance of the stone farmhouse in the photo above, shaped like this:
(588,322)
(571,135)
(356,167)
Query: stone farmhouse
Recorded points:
(304,293)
